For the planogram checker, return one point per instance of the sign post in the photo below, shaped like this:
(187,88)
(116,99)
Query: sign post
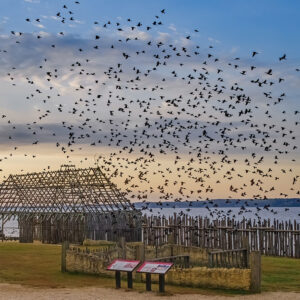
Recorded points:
(129,280)
(118,279)
(151,267)
(123,265)
(148,282)
(161,283)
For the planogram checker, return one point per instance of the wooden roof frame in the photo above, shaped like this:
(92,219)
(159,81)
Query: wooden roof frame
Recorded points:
(68,191)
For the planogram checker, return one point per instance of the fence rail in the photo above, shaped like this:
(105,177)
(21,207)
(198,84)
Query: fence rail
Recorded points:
(269,237)
(229,259)
(182,261)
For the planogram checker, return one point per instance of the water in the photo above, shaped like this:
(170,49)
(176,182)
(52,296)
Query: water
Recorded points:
(11,228)
(278,213)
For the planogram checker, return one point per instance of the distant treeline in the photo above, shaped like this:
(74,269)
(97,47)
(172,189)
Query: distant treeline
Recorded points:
(277,202)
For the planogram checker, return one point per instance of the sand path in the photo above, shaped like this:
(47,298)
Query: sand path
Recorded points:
(16,292)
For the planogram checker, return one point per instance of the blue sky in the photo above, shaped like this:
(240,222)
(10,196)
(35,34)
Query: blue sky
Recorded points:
(270,26)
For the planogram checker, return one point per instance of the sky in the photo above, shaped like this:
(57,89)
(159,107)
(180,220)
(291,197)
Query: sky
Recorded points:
(47,71)
(270,26)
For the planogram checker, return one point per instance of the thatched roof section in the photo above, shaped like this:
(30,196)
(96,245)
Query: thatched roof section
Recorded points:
(66,191)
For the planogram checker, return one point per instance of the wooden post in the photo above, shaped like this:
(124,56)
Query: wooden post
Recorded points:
(210,260)
(255,266)
(186,261)
(64,248)
(170,238)
(161,283)
(140,252)
(118,279)
(129,280)
(123,247)
(140,255)
(246,245)
(2,227)
(148,282)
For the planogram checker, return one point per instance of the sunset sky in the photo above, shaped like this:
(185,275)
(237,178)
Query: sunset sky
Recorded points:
(47,79)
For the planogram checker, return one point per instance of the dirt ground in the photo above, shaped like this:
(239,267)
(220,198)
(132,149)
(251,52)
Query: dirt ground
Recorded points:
(16,292)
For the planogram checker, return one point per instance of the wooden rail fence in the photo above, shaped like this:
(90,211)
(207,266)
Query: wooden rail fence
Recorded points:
(182,261)
(229,259)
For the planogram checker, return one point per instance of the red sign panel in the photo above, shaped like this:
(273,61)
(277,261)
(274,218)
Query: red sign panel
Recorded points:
(155,267)
(123,265)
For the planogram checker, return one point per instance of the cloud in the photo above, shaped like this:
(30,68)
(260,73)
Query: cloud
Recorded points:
(234,49)
(214,40)
(172,27)
(163,37)
(4,20)
(32,1)
(79,22)
(39,25)
(50,17)
(136,33)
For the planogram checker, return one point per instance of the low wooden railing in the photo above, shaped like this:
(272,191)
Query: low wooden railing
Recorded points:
(238,258)
(182,261)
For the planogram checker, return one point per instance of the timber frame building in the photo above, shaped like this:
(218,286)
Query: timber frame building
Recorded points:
(68,204)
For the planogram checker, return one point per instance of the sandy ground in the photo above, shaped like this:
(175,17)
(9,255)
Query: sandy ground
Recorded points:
(14,291)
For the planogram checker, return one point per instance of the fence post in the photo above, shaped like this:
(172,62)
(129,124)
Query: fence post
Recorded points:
(170,238)
(186,261)
(2,227)
(245,243)
(64,248)
(122,245)
(255,266)
(140,255)
(210,260)
(140,252)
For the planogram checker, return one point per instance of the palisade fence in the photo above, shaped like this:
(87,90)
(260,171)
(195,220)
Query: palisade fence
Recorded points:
(275,237)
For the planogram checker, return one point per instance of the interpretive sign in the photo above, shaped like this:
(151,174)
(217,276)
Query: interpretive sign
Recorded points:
(155,267)
(123,265)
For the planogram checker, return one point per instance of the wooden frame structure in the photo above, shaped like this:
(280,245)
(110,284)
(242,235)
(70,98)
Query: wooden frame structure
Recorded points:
(67,198)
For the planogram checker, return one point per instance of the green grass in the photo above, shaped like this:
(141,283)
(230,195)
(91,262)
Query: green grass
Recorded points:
(280,274)
(39,265)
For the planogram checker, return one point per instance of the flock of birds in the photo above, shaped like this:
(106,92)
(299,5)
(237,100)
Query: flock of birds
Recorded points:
(164,118)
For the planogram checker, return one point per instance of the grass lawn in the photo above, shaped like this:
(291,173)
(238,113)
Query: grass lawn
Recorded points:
(39,265)
(280,274)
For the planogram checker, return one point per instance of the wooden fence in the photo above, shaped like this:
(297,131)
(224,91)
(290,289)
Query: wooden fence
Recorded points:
(275,237)
(229,259)
(182,261)
(269,237)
